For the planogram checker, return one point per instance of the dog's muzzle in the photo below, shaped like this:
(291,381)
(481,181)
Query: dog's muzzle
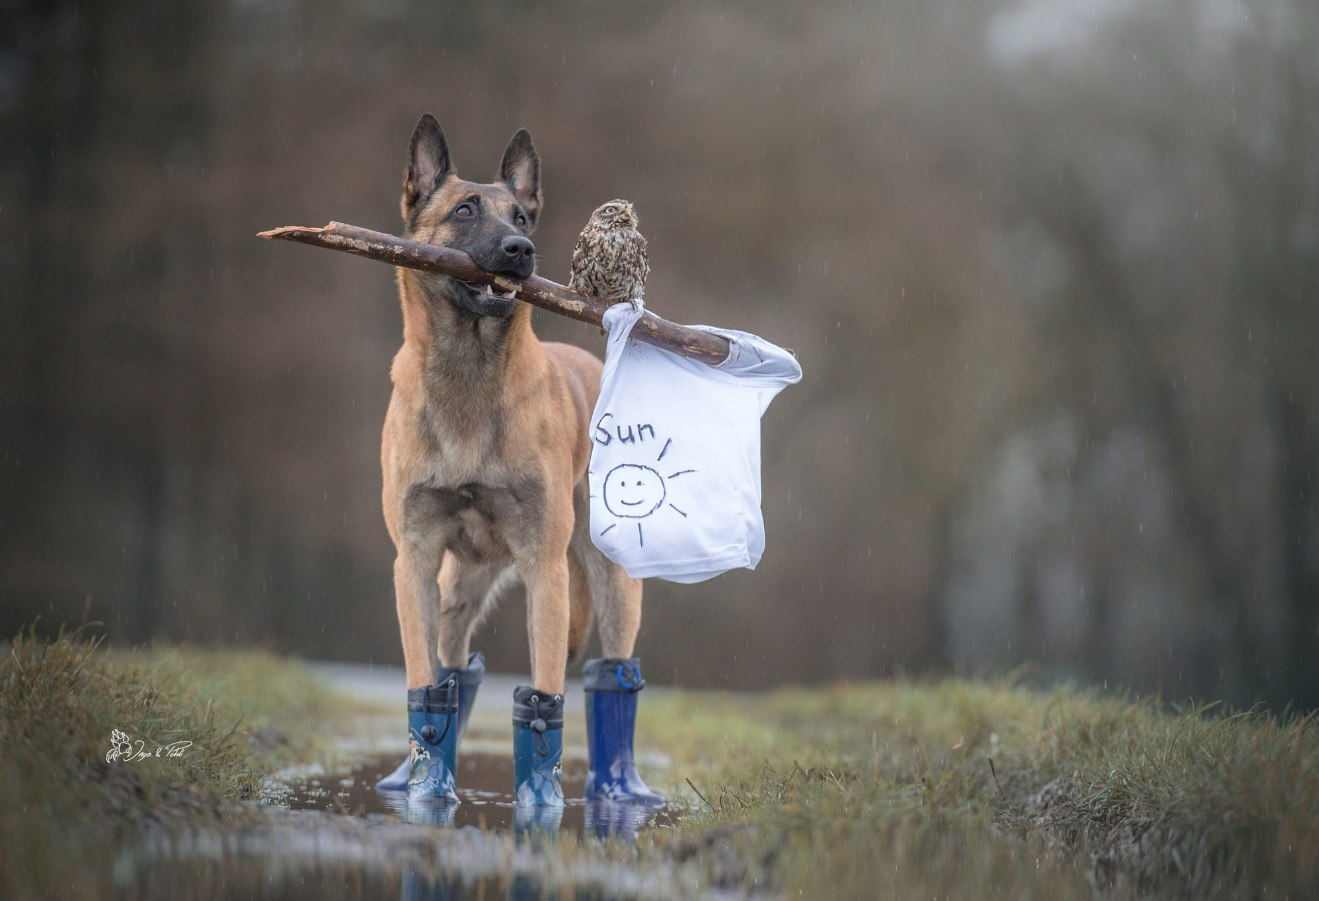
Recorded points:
(511,255)
(519,255)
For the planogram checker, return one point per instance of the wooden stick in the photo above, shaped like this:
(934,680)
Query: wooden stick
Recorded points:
(541,292)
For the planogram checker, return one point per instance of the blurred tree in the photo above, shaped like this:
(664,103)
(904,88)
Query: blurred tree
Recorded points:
(1182,206)
(1050,269)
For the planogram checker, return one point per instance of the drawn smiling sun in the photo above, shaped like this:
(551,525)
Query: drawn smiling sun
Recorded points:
(633,491)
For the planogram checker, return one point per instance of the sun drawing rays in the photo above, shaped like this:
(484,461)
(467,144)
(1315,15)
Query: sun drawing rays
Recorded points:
(634,492)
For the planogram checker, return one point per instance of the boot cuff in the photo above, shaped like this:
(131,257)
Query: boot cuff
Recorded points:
(440,698)
(467,676)
(612,674)
(530,705)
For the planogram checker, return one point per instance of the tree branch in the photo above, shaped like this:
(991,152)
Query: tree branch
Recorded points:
(541,292)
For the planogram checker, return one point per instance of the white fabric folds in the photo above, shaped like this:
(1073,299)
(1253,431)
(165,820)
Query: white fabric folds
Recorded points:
(675,458)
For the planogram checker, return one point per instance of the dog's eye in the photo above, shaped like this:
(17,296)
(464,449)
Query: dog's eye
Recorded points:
(520,220)
(464,211)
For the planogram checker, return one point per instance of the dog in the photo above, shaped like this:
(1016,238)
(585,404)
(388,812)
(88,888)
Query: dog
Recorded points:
(485,443)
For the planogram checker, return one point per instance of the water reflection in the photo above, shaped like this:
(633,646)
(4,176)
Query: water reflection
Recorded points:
(519,887)
(531,823)
(424,886)
(611,820)
(319,855)
(485,788)
(425,812)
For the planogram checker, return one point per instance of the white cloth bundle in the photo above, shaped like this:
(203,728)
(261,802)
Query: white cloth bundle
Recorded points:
(675,458)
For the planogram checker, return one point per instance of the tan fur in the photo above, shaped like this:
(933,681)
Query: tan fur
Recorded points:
(484,456)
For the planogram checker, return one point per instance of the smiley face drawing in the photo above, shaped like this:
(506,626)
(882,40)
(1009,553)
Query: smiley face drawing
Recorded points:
(634,491)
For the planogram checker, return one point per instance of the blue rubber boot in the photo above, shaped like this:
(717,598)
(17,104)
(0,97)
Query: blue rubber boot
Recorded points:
(612,687)
(537,748)
(433,728)
(469,681)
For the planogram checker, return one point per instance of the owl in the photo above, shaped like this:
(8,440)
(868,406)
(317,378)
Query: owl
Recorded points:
(609,260)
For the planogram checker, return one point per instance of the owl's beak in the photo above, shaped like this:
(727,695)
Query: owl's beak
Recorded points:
(631,214)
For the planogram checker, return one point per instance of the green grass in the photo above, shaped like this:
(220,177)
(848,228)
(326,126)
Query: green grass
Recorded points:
(886,790)
(62,803)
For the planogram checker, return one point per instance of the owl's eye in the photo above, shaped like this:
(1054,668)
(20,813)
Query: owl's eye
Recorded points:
(611,209)
(464,211)
(520,220)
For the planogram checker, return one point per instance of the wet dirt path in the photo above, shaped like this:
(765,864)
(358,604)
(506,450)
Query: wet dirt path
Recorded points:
(325,832)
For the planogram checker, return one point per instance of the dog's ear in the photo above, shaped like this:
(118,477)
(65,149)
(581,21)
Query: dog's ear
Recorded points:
(428,164)
(520,171)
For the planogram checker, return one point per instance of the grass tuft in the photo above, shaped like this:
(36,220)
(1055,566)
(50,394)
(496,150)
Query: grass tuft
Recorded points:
(62,801)
(974,789)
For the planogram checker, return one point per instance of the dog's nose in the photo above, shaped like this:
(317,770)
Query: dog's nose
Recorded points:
(519,250)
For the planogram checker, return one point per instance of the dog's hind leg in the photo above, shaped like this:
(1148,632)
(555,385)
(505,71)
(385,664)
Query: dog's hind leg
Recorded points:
(579,606)
(619,612)
(615,597)
(467,592)
(612,684)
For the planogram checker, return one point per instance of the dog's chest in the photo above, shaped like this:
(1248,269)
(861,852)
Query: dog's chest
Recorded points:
(476,521)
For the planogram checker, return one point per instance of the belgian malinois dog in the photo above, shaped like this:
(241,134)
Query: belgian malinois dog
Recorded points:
(485,444)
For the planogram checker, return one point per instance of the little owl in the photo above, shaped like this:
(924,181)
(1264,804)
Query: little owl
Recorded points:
(609,260)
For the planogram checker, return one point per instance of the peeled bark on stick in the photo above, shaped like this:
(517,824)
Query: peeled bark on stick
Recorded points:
(541,292)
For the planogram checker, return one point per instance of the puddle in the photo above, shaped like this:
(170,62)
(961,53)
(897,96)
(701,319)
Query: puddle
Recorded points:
(315,856)
(486,790)
(329,836)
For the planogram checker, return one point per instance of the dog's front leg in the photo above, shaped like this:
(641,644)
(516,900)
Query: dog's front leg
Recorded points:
(542,528)
(547,619)
(538,708)
(417,595)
